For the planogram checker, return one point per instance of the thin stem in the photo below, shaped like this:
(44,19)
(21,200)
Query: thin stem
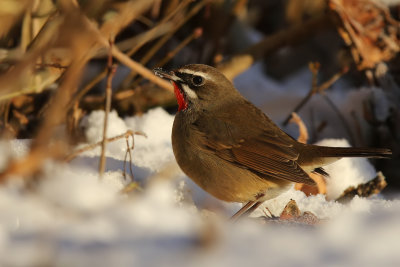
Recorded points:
(111,72)
(93,146)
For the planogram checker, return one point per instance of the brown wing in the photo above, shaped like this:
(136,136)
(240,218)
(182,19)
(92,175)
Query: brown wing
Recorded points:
(259,148)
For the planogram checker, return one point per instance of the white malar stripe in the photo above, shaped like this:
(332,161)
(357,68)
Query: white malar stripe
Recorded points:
(189,92)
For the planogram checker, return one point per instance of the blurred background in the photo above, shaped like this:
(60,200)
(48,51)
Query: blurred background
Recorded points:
(334,62)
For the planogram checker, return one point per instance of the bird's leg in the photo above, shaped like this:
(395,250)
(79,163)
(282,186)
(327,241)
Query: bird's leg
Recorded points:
(242,210)
(252,208)
(248,208)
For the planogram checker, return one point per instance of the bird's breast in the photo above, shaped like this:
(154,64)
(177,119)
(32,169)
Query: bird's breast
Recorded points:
(216,176)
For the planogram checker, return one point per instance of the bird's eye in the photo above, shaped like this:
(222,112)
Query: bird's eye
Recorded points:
(197,80)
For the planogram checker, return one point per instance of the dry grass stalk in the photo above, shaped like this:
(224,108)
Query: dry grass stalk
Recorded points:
(10,13)
(128,153)
(167,18)
(132,44)
(139,68)
(196,34)
(135,42)
(107,108)
(54,42)
(164,39)
(123,13)
(42,147)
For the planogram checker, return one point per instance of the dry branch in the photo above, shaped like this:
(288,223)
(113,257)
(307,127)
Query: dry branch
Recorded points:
(42,146)
(139,68)
(107,108)
(193,11)
(303,133)
(295,34)
(138,40)
(196,34)
(55,37)
(341,117)
(164,21)
(314,67)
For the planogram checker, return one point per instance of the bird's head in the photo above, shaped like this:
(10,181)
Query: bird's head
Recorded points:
(198,86)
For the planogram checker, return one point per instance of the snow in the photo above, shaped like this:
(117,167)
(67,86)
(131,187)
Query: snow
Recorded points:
(156,125)
(70,217)
(346,172)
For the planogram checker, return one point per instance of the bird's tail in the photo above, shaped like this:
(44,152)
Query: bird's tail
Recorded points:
(364,152)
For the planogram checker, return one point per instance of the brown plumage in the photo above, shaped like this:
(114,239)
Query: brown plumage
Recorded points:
(231,149)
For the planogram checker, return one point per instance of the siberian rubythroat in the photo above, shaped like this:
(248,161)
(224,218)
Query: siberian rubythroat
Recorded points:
(231,149)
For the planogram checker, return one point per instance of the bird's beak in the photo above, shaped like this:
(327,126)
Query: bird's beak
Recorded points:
(167,75)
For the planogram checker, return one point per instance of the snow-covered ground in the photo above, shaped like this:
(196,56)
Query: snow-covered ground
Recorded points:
(74,219)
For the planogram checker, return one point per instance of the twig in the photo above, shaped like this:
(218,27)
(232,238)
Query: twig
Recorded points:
(7,107)
(141,40)
(332,80)
(134,43)
(128,152)
(155,11)
(357,127)
(41,148)
(239,6)
(160,24)
(51,65)
(196,34)
(314,88)
(314,67)
(341,117)
(303,133)
(295,34)
(87,88)
(87,38)
(139,68)
(111,72)
(127,61)
(163,40)
(93,146)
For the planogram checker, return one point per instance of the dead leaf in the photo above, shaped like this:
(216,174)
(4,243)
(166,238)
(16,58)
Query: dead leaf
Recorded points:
(292,213)
(368,29)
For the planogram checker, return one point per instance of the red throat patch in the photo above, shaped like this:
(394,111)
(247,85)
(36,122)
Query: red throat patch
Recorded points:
(179,97)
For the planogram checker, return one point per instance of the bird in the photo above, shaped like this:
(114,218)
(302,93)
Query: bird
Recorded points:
(234,151)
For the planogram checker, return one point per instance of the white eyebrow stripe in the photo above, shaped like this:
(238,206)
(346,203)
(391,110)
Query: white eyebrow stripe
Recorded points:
(189,92)
(202,74)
